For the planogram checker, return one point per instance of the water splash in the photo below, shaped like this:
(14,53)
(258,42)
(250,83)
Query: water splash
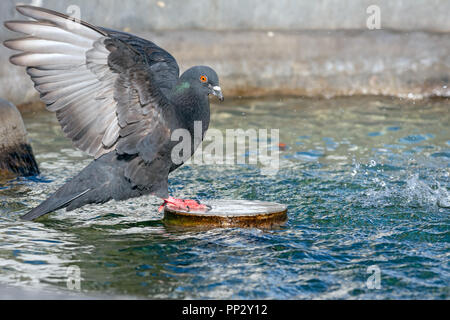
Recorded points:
(413,193)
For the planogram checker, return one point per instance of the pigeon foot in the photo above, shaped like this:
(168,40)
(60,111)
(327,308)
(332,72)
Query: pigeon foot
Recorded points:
(184,205)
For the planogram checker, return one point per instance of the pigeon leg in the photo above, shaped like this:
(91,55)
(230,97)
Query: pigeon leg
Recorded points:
(184,205)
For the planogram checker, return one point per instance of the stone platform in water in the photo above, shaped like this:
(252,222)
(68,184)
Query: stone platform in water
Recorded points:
(230,213)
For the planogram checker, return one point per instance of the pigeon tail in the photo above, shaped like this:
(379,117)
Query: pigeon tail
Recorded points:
(103,180)
(55,202)
(87,187)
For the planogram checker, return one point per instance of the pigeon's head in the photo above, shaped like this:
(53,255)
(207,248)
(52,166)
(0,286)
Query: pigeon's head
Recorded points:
(204,79)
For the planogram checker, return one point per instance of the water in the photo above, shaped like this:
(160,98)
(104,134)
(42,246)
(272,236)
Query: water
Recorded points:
(367,185)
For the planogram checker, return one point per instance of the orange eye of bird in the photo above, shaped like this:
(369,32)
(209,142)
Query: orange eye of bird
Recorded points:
(203,79)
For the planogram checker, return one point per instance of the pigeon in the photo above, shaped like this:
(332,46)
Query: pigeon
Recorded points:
(119,98)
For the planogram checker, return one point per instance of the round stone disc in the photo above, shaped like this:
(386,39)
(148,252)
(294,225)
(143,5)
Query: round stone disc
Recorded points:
(230,213)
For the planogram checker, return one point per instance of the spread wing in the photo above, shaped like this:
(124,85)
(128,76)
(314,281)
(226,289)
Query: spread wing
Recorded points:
(106,87)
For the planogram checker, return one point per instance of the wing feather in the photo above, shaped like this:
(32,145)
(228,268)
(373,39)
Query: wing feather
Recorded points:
(77,27)
(36,45)
(41,59)
(48,31)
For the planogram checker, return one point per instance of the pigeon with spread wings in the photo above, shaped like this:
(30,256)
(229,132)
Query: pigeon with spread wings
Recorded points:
(118,98)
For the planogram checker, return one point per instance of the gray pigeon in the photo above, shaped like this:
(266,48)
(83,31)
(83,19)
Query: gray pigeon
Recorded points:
(118,98)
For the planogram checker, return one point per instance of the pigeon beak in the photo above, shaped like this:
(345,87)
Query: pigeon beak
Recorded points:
(217,91)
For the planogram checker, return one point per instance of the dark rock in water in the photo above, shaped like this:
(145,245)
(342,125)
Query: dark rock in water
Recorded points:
(16,155)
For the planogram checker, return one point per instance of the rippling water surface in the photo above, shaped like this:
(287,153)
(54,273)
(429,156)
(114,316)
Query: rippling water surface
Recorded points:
(367,185)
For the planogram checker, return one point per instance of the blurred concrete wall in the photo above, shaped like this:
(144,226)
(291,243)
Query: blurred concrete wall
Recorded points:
(147,15)
(260,47)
